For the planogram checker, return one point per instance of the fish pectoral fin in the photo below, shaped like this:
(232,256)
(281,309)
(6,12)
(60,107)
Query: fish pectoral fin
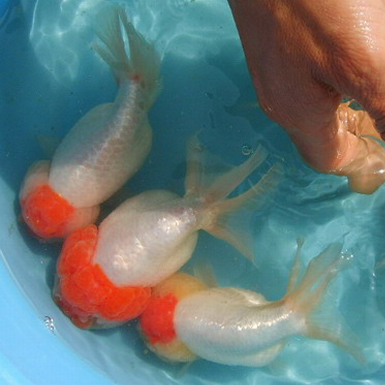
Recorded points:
(203,270)
(258,359)
(263,357)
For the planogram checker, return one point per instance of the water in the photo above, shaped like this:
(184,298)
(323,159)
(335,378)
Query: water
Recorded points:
(50,77)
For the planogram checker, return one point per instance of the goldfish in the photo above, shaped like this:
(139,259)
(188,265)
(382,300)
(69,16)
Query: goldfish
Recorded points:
(150,236)
(106,147)
(186,319)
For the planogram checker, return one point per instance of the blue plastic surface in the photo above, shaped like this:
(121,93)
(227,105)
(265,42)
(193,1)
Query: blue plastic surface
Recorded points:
(49,77)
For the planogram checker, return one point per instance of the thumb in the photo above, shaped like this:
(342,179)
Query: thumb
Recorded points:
(364,151)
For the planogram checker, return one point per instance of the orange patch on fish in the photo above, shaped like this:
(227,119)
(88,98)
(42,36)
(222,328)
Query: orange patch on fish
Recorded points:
(157,321)
(46,212)
(84,290)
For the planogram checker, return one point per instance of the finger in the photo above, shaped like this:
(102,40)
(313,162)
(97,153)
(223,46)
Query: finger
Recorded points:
(362,78)
(331,138)
(365,171)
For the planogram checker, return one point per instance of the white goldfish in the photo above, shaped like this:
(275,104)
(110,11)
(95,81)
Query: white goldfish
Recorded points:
(150,236)
(106,146)
(185,319)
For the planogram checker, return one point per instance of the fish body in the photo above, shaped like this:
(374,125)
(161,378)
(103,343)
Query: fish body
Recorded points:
(233,326)
(106,146)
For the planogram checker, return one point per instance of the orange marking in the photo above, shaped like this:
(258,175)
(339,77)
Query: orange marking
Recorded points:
(125,303)
(46,212)
(78,249)
(85,292)
(74,295)
(157,321)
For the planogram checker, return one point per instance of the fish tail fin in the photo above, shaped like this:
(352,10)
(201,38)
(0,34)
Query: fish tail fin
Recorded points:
(322,319)
(143,62)
(220,217)
(294,278)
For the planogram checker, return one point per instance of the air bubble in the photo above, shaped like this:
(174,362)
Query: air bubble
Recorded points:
(246,150)
(48,321)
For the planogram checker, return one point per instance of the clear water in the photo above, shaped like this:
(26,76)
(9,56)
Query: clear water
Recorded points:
(50,77)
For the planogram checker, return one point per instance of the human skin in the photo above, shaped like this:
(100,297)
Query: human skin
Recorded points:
(303,56)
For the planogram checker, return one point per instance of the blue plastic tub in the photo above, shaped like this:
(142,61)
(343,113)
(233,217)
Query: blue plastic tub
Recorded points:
(49,77)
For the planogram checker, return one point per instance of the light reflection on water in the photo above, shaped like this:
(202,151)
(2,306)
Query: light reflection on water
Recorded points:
(60,29)
(206,86)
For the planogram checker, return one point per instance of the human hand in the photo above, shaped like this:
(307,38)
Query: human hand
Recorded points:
(303,56)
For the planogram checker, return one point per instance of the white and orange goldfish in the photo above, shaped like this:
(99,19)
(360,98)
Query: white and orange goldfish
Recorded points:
(106,146)
(150,236)
(185,319)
